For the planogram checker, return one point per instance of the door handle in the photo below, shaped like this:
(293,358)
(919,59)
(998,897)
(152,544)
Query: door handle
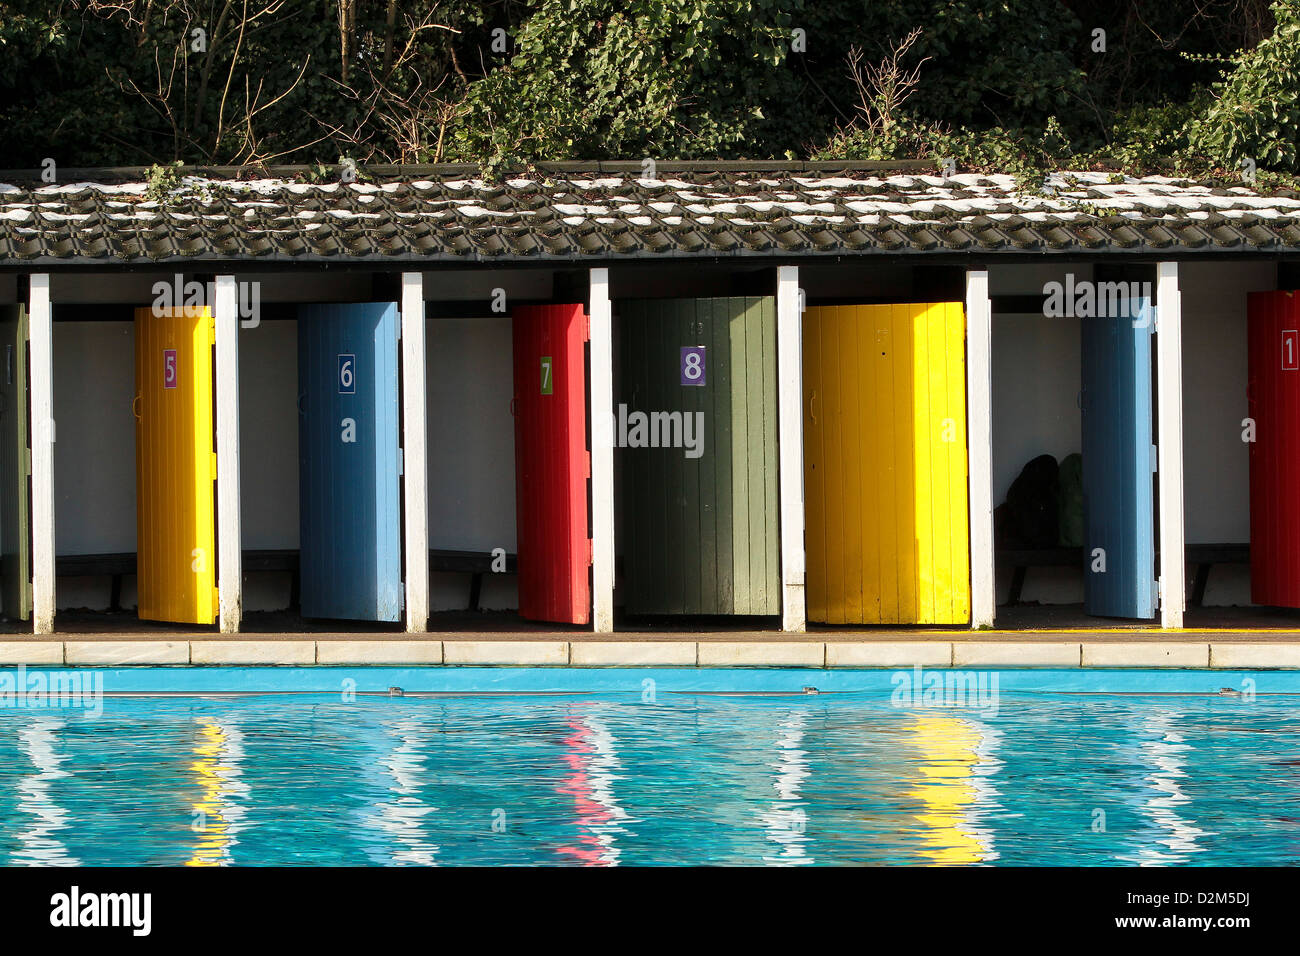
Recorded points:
(135,405)
(812,406)
(512,407)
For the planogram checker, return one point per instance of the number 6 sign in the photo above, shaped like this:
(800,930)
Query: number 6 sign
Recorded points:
(169,368)
(347,374)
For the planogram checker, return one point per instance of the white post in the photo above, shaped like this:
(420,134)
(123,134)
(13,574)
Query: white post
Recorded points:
(789,379)
(979,437)
(40,325)
(230,570)
(602,452)
(415,463)
(1169,441)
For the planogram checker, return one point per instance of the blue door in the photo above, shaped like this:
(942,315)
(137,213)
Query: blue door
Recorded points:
(349,462)
(1118,461)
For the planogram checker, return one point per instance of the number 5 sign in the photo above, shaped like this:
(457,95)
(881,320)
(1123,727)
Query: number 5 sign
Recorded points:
(693,364)
(347,374)
(169,368)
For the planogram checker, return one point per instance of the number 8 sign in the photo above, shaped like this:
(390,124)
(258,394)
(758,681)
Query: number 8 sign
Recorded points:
(693,364)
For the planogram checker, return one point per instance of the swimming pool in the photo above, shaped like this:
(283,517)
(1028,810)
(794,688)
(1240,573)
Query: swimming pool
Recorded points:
(655,767)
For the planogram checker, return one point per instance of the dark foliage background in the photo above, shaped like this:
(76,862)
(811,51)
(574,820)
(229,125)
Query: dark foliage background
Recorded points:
(1019,84)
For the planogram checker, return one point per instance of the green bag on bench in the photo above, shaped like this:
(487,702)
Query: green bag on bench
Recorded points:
(1070,485)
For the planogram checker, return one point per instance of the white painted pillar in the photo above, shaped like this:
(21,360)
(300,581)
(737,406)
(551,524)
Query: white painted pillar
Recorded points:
(1169,444)
(979,440)
(789,391)
(40,318)
(230,565)
(415,460)
(602,452)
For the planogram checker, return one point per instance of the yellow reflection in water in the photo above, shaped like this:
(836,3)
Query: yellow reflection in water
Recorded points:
(215,815)
(951,751)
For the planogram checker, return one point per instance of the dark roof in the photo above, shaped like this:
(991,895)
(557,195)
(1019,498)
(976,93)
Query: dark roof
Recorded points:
(566,213)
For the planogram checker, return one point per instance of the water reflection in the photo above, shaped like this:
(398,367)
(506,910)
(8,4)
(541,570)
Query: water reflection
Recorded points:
(1172,838)
(39,845)
(401,819)
(592,755)
(958,760)
(219,812)
(786,822)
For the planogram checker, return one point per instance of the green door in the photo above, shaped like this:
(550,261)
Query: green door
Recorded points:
(695,429)
(15,466)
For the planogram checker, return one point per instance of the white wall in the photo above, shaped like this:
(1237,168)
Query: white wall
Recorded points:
(1036,382)
(94,447)
(1216,462)
(471,452)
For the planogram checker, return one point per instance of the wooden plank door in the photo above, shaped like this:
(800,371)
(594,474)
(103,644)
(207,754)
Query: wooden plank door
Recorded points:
(700,533)
(175,466)
(552,463)
(349,462)
(885,464)
(15,467)
(1118,461)
(1273,395)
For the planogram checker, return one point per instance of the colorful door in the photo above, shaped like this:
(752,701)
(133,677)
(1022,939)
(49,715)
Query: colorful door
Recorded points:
(552,463)
(349,462)
(1273,394)
(15,467)
(1118,461)
(696,425)
(175,466)
(885,464)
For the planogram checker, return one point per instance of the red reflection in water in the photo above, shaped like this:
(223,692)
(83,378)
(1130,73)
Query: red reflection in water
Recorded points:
(592,815)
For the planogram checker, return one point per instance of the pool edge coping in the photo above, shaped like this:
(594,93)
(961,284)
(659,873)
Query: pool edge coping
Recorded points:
(812,655)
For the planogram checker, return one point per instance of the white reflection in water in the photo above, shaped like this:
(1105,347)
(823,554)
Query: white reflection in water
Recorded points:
(401,819)
(219,811)
(955,786)
(1173,839)
(40,846)
(786,822)
(592,755)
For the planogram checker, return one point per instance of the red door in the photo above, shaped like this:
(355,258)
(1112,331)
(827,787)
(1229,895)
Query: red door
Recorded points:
(552,463)
(1273,395)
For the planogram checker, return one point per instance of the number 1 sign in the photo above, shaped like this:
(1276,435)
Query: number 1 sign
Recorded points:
(1290,353)
(693,364)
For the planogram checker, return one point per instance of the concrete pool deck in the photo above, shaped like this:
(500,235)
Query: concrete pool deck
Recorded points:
(1120,647)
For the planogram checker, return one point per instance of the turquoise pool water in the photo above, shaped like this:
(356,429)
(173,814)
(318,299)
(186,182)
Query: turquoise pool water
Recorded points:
(652,775)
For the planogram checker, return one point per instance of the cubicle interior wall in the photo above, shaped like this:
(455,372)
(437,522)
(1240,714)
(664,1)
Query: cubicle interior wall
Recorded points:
(1079,382)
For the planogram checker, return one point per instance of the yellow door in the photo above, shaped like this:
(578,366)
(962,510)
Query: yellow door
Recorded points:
(885,464)
(175,466)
